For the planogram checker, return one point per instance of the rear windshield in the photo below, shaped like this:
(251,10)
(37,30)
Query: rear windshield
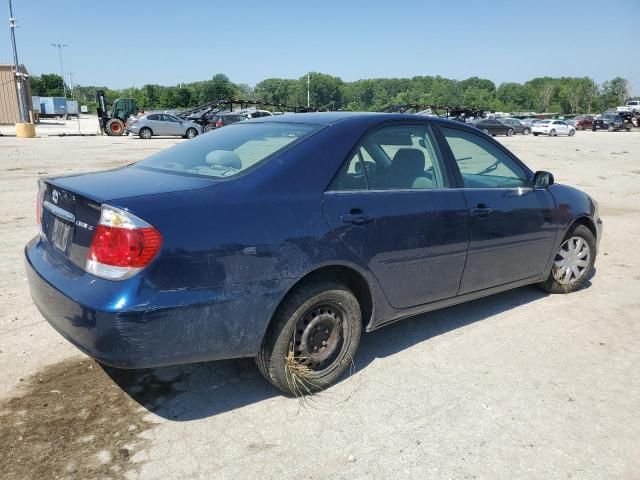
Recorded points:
(229,151)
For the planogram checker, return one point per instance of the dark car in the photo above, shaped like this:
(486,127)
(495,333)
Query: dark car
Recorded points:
(612,122)
(583,121)
(517,125)
(494,127)
(284,237)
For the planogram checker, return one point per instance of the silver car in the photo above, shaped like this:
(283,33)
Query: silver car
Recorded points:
(161,124)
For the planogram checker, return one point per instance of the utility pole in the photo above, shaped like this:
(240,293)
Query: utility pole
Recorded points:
(60,46)
(18,74)
(71,74)
(308,92)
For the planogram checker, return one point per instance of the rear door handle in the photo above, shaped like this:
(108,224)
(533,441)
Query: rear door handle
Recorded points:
(481,211)
(355,218)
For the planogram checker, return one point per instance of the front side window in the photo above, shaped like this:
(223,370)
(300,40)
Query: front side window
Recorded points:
(398,157)
(482,164)
(229,151)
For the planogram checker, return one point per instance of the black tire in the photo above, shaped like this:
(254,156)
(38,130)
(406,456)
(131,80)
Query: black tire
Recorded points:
(579,127)
(535,134)
(191,133)
(526,131)
(552,133)
(551,285)
(114,127)
(572,132)
(295,326)
(610,128)
(208,127)
(145,133)
(509,132)
(593,129)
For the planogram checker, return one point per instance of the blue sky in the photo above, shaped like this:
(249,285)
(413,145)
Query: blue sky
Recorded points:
(167,42)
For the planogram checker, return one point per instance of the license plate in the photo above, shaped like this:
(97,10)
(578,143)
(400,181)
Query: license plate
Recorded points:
(61,234)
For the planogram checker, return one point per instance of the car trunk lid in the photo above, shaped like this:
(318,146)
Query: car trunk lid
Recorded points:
(71,206)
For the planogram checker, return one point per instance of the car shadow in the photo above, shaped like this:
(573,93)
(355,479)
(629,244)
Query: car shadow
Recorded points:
(201,390)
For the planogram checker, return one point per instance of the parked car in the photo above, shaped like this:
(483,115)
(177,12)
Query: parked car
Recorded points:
(517,125)
(223,120)
(162,124)
(553,128)
(632,106)
(493,127)
(529,121)
(284,240)
(583,121)
(613,122)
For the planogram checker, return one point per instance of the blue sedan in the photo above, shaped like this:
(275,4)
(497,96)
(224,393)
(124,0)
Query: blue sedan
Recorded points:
(282,238)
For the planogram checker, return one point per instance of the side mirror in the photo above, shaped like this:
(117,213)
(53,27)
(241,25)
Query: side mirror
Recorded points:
(542,179)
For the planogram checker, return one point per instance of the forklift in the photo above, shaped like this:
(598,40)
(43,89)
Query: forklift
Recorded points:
(113,122)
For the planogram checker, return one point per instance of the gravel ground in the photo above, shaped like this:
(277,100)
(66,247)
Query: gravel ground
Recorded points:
(518,385)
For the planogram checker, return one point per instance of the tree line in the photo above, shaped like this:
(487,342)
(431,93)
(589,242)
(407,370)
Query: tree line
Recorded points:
(568,95)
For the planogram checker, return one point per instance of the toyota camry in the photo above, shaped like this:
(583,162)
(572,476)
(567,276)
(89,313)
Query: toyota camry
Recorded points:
(283,238)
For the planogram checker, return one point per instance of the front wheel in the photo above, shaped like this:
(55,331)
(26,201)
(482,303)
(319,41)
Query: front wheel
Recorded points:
(526,131)
(573,262)
(312,338)
(552,133)
(114,127)
(579,127)
(191,133)
(535,134)
(572,132)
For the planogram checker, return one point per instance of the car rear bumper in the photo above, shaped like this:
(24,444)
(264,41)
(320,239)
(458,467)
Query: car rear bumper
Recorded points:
(126,325)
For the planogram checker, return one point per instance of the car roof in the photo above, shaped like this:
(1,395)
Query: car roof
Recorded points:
(329,118)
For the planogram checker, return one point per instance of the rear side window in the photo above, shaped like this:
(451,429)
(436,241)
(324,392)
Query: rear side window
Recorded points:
(399,157)
(482,164)
(153,117)
(229,151)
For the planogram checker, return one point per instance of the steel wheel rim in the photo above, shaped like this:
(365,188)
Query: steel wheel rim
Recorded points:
(146,134)
(191,133)
(319,338)
(572,261)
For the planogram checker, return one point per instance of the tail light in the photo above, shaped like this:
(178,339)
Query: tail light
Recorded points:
(122,245)
(219,123)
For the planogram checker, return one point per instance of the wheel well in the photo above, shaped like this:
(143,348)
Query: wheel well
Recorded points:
(351,279)
(587,222)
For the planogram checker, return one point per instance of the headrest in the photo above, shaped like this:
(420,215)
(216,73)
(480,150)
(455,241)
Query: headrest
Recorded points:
(224,158)
(409,160)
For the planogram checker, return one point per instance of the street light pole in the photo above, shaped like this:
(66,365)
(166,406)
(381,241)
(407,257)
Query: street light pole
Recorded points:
(18,74)
(60,46)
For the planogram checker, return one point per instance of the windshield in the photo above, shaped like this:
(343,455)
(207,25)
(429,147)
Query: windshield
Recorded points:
(228,151)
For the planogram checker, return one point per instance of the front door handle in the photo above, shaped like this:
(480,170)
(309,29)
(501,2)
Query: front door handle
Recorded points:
(481,211)
(355,218)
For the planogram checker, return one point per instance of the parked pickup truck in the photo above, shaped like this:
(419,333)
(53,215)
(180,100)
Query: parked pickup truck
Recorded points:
(632,106)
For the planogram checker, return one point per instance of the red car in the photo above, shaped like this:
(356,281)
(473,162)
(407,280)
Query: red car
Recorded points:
(583,121)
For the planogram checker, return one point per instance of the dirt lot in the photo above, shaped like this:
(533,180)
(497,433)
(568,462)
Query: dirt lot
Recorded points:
(518,385)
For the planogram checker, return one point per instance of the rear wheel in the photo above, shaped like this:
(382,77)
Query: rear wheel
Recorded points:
(573,262)
(526,131)
(610,128)
(510,132)
(312,338)
(191,133)
(114,127)
(572,132)
(535,134)
(145,133)
(552,133)
(486,131)
(579,127)
(208,127)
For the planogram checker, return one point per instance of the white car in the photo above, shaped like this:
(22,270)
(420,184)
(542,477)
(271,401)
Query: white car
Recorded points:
(552,128)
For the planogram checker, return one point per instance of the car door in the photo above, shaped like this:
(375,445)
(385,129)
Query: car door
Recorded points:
(154,122)
(512,226)
(173,126)
(392,206)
